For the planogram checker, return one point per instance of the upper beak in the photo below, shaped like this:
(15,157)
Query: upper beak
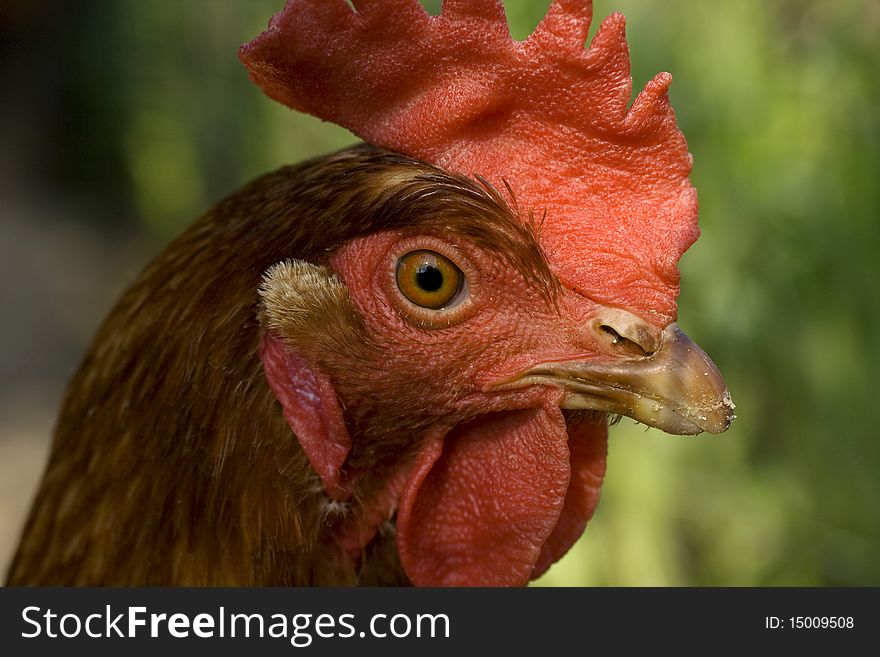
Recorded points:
(677,388)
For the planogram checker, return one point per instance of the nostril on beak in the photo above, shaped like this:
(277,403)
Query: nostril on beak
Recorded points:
(624,345)
(625,334)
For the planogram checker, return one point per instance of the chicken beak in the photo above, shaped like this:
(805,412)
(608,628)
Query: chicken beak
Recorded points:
(677,388)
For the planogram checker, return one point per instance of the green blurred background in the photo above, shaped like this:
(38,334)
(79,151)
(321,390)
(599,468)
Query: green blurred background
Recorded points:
(123,120)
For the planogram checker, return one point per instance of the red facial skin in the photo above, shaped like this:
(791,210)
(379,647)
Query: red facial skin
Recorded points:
(501,487)
(506,321)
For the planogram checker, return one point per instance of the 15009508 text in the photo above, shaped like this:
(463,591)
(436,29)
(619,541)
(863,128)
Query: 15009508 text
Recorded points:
(809,623)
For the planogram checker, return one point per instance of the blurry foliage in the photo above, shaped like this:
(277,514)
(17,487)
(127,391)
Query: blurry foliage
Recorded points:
(780,102)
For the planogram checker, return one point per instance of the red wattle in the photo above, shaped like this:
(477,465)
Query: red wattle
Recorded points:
(481,503)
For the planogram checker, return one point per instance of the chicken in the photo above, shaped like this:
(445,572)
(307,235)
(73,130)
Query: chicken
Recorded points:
(394,364)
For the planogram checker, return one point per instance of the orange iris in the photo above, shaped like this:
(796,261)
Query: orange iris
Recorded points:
(428,279)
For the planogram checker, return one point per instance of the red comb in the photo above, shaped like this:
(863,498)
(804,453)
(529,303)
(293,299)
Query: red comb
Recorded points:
(545,115)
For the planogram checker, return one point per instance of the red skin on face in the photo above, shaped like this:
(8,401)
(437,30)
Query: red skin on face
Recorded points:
(497,499)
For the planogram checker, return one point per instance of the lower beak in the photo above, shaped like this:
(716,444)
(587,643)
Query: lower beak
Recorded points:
(676,389)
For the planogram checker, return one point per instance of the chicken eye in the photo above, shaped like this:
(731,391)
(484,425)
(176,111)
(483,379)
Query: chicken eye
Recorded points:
(428,279)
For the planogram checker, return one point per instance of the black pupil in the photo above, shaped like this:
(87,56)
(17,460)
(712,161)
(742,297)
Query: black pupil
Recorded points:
(429,278)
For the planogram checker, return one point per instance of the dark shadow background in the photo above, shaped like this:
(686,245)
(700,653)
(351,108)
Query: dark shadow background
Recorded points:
(122,120)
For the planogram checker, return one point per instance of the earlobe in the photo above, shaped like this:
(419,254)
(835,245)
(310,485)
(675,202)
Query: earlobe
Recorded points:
(311,409)
(306,311)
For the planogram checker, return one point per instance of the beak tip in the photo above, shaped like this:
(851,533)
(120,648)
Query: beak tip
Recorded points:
(722,416)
